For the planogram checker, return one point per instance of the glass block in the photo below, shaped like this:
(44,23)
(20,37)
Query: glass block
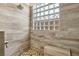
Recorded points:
(46,23)
(51,6)
(46,17)
(56,4)
(46,12)
(46,27)
(46,7)
(56,10)
(56,15)
(51,16)
(51,11)
(51,22)
(51,28)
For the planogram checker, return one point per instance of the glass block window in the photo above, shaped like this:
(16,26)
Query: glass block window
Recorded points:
(42,13)
(51,22)
(51,11)
(56,15)
(51,17)
(42,4)
(42,9)
(46,23)
(46,17)
(46,27)
(56,10)
(51,6)
(42,18)
(45,14)
(56,5)
(46,7)
(51,27)
(42,23)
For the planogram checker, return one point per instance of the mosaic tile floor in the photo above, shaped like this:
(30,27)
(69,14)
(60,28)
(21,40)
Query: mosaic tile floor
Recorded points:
(31,53)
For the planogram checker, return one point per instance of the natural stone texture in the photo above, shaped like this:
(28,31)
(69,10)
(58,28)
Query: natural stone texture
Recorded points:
(15,23)
(55,51)
(66,38)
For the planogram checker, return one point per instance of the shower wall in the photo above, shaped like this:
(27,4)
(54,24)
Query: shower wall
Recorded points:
(63,42)
(15,23)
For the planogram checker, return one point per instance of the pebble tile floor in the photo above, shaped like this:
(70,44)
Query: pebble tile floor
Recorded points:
(31,52)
